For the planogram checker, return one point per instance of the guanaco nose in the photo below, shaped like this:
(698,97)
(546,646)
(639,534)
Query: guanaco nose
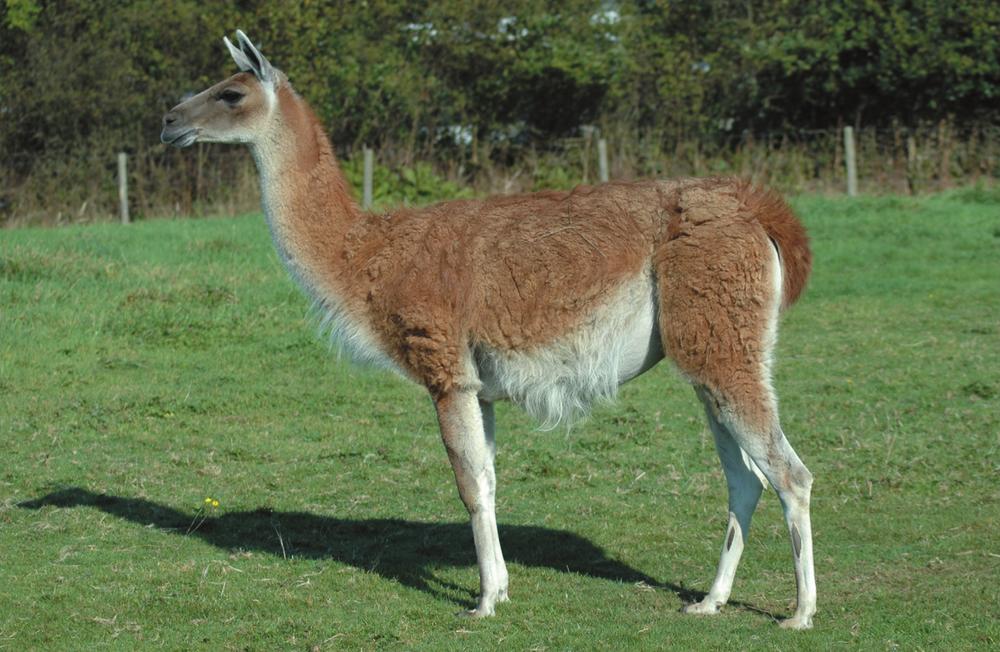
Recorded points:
(169,119)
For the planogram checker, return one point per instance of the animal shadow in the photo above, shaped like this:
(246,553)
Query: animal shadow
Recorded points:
(404,551)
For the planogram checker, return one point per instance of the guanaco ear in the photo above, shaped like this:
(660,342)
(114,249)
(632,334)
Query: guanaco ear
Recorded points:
(242,62)
(249,58)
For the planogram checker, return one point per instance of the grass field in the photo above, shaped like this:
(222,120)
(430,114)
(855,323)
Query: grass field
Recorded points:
(143,369)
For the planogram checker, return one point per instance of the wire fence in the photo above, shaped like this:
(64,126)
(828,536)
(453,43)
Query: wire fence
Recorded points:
(221,180)
(901,161)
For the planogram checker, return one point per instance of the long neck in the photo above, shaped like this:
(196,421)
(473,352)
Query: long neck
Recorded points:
(306,198)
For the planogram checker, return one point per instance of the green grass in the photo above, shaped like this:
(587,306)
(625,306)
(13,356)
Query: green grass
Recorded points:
(145,368)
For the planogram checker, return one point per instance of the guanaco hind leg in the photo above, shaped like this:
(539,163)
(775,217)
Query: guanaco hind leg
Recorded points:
(467,429)
(718,318)
(745,488)
(766,445)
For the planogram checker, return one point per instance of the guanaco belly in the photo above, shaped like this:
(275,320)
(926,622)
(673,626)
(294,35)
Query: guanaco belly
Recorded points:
(561,380)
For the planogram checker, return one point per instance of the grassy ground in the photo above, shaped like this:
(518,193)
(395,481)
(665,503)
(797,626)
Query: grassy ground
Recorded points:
(143,369)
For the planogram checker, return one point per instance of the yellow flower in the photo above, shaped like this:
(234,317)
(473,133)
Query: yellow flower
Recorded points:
(215,503)
(208,501)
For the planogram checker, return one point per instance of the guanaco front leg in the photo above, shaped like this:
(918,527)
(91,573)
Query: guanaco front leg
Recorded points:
(467,429)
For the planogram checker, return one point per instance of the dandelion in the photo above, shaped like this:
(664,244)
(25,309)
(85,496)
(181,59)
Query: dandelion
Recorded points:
(201,515)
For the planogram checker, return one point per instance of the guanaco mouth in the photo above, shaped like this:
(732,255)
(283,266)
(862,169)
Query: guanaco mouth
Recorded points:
(179,137)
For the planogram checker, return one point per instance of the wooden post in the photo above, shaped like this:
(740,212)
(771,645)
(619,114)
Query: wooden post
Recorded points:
(123,187)
(911,163)
(366,202)
(944,151)
(602,159)
(849,159)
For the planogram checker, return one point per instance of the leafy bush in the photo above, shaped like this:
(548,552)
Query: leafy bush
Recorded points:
(414,185)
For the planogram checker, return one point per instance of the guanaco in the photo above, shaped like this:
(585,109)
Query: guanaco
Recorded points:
(550,300)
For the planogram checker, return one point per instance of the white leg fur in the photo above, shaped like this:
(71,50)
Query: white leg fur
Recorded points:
(744,492)
(467,431)
(489,429)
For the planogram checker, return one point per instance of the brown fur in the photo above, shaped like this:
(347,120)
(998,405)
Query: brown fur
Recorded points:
(519,271)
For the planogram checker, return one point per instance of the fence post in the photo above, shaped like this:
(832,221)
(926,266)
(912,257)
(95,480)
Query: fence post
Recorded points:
(911,163)
(123,187)
(602,159)
(849,159)
(366,201)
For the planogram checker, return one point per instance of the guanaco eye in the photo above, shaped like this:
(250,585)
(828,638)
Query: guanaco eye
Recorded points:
(230,96)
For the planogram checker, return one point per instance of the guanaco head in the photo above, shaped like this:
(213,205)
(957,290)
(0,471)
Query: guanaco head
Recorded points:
(236,110)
